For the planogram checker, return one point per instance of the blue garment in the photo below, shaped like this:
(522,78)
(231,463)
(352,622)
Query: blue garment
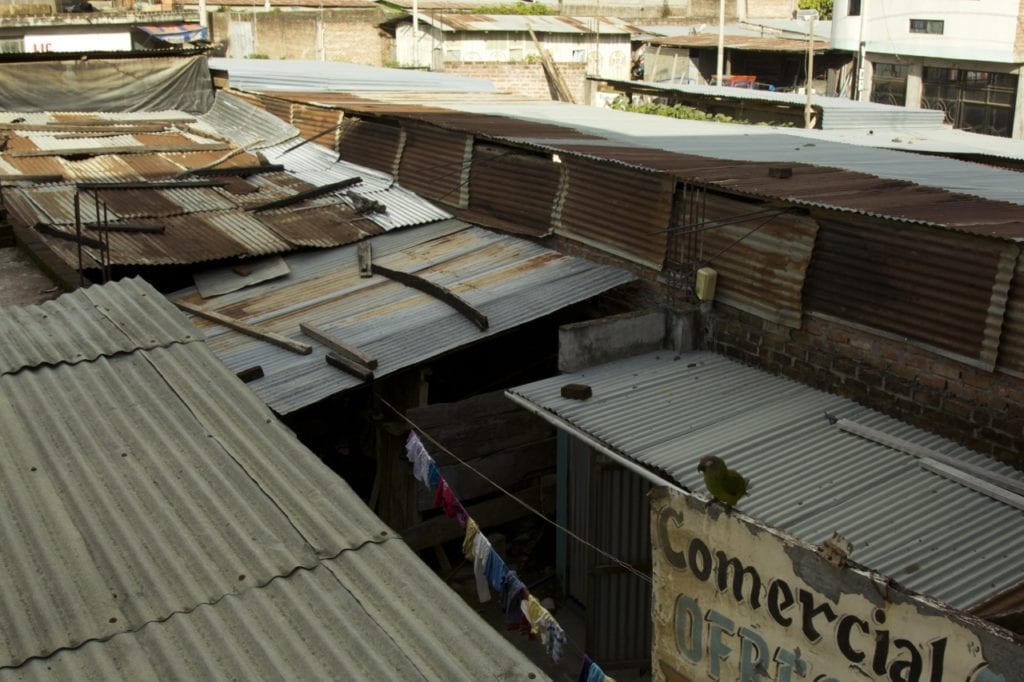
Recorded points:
(495,569)
(433,474)
(512,589)
(596,674)
(585,669)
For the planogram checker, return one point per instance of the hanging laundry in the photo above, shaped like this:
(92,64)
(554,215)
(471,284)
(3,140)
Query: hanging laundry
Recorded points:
(481,554)
(444,497)
(472,530)
(421,460)
(495,569)
(544,625)
(512,592)
(433,475)
(585,669)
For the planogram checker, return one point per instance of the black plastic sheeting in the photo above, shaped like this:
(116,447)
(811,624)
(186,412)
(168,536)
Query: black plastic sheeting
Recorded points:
(111,85)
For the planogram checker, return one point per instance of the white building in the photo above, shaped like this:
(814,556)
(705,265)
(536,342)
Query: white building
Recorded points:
(602,43)
(961,56)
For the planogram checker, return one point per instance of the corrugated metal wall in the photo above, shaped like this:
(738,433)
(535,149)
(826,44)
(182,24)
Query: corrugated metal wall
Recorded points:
(435,163)
(313,121)
(514,185)
(761,255)
(1011,345)
(371,144)
(608,506)
(620,210)
(939,287)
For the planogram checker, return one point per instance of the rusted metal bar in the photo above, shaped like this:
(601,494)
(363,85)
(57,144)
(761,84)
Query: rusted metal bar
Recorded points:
(437,291)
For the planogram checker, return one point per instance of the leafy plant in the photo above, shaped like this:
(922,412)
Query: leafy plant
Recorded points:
(824,7)
(517,8)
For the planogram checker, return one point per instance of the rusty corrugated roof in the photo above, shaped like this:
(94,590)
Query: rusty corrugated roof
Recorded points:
(746,43)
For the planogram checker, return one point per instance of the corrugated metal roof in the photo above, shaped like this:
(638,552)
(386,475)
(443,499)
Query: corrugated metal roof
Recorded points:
(741,42)
(837,113)
(158,521)
(510,280)
(540,23)
(313,76)
(807,476)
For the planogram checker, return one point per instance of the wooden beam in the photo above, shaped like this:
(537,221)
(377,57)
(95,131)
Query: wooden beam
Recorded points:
(169,184)
(247,329)
(130,129)
(356,369)
(126,227)
(437,291)
(51,231)
(308,194)
(250,373)
(489,513)
(346,351)
(133,149)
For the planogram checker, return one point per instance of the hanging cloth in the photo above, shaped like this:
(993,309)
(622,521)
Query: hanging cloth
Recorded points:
(481,554)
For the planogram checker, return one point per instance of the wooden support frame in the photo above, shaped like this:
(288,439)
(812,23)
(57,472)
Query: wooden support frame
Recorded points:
(51,231)
(356,369)
(437,291)
(247,329)
(126,227)
(346,351)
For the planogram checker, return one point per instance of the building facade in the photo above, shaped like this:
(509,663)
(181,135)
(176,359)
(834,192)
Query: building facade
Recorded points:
(962,57)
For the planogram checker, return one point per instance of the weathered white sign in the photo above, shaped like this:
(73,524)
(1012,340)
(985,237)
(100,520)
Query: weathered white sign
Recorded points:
(79,42)
(736,601)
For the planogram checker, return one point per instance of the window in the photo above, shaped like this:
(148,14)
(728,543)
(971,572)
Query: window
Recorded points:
(854,8)
(935,26)
(889,84)
(978,101)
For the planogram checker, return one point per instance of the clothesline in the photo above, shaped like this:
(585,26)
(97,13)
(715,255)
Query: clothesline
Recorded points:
(522,610)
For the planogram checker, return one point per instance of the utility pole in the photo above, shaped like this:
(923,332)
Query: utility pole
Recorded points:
(808,15)
(721,40)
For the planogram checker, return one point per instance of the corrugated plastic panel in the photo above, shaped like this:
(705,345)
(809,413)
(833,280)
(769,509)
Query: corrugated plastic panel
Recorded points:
(761,257)
(158,521)
(88,323)
(104,168)
(435,163)
(341,620)
(371,144)
(932,286)
(514,186)
(59,144)
(624,211)
(510,280)
(807,476)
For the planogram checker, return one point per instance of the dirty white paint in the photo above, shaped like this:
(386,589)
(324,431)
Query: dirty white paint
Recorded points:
(736,601)
(79,42)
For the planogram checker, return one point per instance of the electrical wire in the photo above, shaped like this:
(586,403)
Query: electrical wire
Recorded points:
(526,505)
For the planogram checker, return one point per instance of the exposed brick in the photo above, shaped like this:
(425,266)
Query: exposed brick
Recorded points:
(957,408)
(944,368)
(931,381)
(928,397)
(870,376)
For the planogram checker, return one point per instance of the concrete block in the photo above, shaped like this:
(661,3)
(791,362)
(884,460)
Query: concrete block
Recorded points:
(594,342)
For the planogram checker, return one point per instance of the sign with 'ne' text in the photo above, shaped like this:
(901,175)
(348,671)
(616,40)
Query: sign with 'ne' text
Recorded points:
(734,600)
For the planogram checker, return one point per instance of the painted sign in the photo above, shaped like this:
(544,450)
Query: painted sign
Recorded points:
(734,600)
(79,42)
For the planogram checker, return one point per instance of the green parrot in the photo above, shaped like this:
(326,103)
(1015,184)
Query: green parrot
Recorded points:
(727,486)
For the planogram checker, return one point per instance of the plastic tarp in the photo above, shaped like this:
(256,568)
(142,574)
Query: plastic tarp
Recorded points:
(112,85)
(176,34)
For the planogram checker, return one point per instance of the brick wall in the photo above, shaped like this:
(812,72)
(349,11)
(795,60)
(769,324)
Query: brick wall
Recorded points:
(347,36)
(522,78)
(979,409)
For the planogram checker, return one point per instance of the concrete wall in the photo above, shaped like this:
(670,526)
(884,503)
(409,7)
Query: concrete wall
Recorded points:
(595,342)
(977,408)
(981,30)
(345,36)
(522,78)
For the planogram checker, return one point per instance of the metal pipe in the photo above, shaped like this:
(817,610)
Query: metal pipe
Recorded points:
(721,40)
(810,70)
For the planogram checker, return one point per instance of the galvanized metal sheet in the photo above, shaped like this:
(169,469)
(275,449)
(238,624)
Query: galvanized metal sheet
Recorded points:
(619,210)
(509,280)
(761,256)
(931,286)
(807,476)
(1011,343)
(435,163)
(370,144)
(516,187)
(321,227)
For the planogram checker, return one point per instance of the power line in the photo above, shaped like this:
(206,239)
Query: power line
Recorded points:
(526,505)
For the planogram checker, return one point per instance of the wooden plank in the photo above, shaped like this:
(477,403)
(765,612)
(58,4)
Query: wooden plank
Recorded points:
(126,227)
(250,373)
(437,291)
(346,351)
(170,184)
(247,329)
(487,514)
(308,194)
(51,231)
(134,149)
(354,368)
(129,129)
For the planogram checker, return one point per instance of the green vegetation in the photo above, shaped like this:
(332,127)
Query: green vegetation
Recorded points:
(824,8)
(672,111)
(518,8)
(257,55)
